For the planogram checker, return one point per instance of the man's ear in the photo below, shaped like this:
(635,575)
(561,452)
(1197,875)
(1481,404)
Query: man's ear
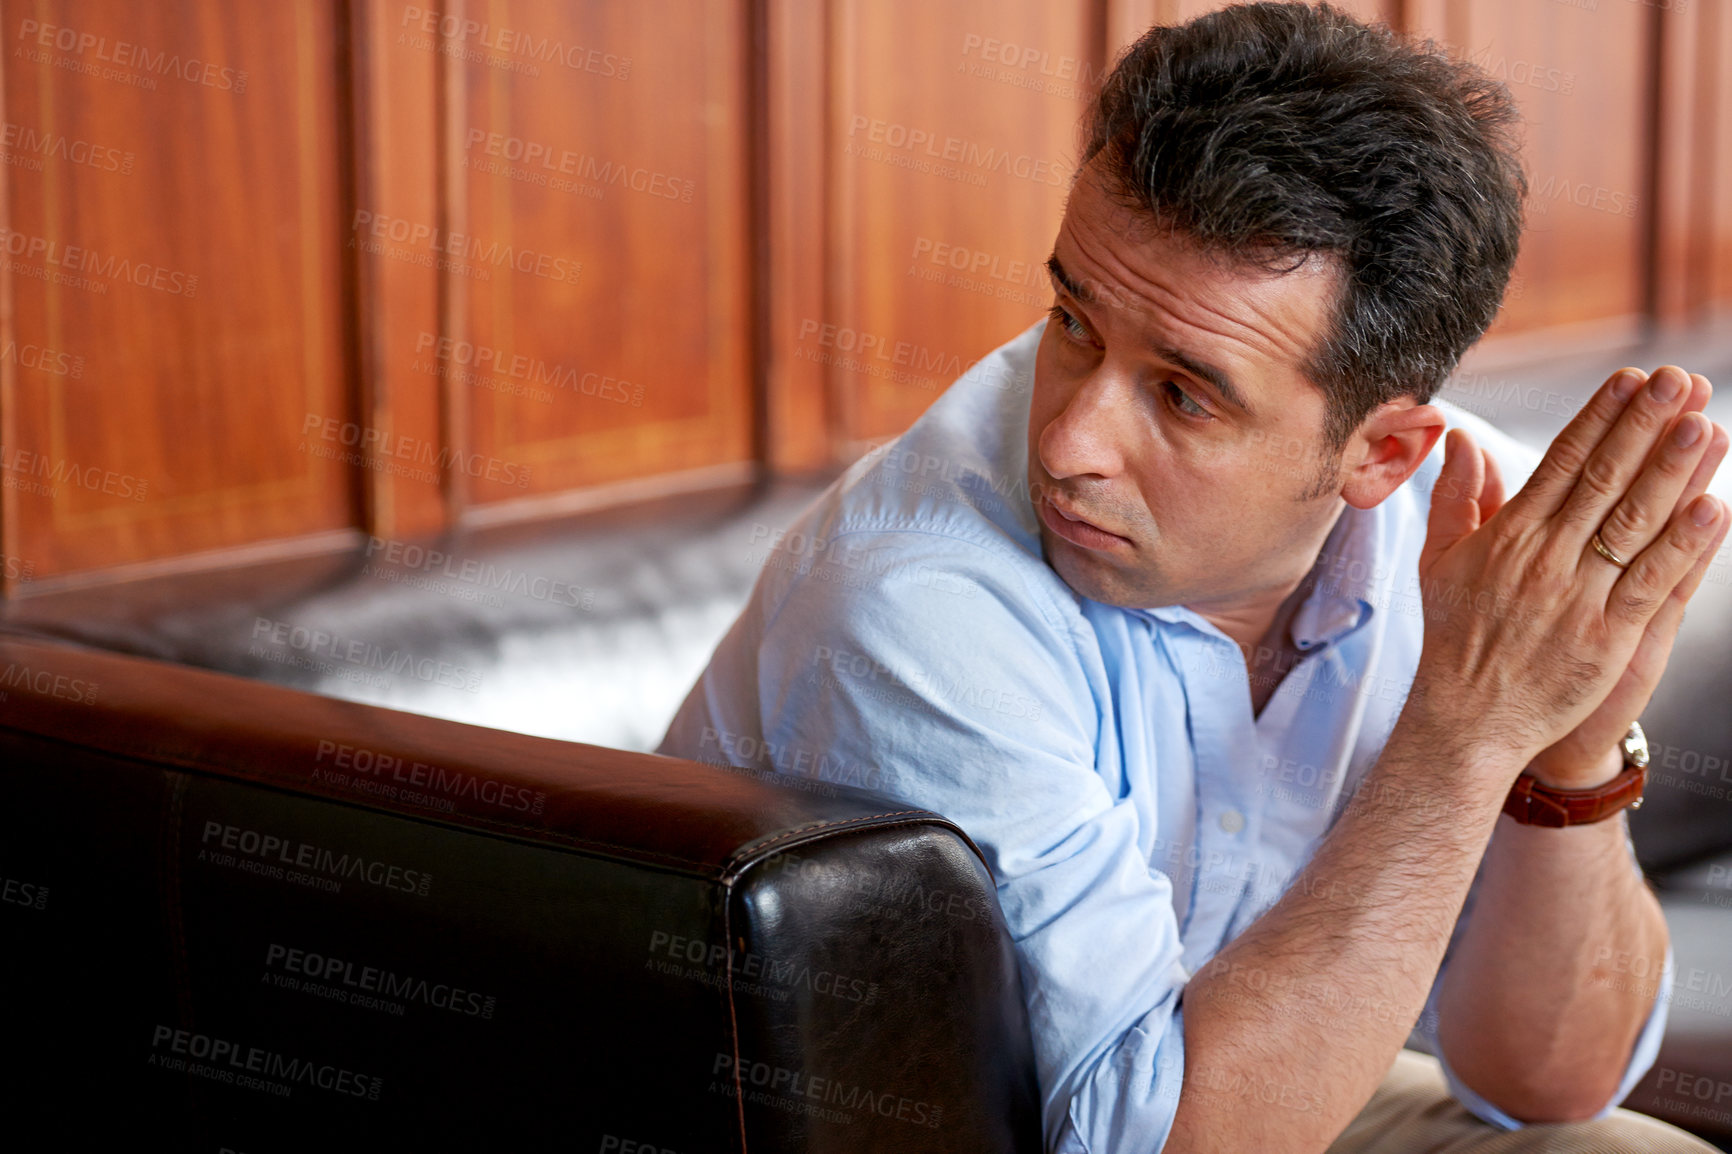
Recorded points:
(1387,448)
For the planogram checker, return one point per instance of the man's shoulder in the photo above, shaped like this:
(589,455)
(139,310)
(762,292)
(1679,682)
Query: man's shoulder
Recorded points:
(947,501)
(962,468)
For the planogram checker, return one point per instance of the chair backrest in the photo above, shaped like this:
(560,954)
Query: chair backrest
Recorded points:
(242,917)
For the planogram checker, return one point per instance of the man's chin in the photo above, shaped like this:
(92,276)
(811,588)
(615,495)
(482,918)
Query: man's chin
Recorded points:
(1088,574)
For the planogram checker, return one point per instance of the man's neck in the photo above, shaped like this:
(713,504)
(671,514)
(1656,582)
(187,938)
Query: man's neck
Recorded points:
(1262,627)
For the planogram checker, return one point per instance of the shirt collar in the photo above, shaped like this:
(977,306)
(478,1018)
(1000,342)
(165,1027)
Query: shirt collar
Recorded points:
(1351,579)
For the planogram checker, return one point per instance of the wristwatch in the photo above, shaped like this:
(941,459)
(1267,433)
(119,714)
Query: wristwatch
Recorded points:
(1531,803)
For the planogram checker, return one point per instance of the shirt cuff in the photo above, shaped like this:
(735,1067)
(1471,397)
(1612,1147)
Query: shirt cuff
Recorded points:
(1642,1057)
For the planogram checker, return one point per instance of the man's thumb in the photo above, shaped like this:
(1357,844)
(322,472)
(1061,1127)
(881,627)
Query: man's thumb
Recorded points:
(1455,497)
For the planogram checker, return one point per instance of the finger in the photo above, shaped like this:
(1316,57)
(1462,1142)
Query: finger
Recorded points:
(1553,478)
(1620,457)
(1664,566)
(1701,390)
(1643,511)
(1663,626)
(1455,496)
(1700,393)
(1491,499)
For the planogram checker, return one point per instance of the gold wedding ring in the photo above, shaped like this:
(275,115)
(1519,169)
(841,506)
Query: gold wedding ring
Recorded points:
(1600,548)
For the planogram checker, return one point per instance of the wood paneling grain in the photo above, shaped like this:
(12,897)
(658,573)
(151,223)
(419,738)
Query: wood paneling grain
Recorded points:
(954,136)
(1718,242)
(395,94)
(601,147)
(1580,77)
(172,238)
(803,414)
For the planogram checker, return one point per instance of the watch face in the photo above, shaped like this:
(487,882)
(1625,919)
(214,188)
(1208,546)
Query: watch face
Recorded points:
(1635,746)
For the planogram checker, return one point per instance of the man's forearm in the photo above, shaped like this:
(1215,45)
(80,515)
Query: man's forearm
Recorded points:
(1291,1027)
(1534,1015)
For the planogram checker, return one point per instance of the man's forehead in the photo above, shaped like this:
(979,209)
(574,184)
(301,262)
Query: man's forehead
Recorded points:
(1168,285)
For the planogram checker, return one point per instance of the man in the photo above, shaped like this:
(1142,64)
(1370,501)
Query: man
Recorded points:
(1175,604)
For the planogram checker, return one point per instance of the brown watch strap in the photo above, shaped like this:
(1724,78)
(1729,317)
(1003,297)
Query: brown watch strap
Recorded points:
(1531,803)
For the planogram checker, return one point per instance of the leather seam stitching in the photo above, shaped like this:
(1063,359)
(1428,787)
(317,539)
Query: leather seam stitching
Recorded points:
(752,848)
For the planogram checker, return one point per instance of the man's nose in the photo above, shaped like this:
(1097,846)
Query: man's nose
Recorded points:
(1087,436)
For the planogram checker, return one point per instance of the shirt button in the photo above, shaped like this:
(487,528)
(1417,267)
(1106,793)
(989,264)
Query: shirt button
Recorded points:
(1232,821)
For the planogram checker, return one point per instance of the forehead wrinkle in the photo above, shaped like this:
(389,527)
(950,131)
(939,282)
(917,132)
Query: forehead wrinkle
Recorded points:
(1266,333)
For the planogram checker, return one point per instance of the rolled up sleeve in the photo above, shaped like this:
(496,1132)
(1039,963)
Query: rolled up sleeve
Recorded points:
(968,684)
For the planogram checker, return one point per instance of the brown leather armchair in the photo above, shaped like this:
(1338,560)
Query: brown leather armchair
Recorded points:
(242,917)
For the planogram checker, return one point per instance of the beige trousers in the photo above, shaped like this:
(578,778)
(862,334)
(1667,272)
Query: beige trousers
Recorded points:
(1413,1113)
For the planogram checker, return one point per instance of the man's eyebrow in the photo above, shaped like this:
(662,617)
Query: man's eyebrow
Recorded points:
(1202,370)
(1064,281)
(1209,373)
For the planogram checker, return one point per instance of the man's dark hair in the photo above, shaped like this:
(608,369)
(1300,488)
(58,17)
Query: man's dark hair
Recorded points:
(1268,132)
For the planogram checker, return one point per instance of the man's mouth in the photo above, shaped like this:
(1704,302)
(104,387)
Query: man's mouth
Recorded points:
(1079,530)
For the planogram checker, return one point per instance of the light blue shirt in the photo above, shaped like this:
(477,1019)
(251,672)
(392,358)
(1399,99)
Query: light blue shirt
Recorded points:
(907,635)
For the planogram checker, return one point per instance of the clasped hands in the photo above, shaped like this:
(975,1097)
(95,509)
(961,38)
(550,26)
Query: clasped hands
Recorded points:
(1553,685)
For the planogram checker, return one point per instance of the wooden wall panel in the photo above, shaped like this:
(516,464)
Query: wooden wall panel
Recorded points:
(1719,240)
(954,136)
(1579,75)
(803,416)
(171,216)
(402,382)
(602,146)
(474,260)
(1683,42)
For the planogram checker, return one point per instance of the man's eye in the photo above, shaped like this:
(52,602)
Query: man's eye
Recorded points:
(1072,327)
(1180,399)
